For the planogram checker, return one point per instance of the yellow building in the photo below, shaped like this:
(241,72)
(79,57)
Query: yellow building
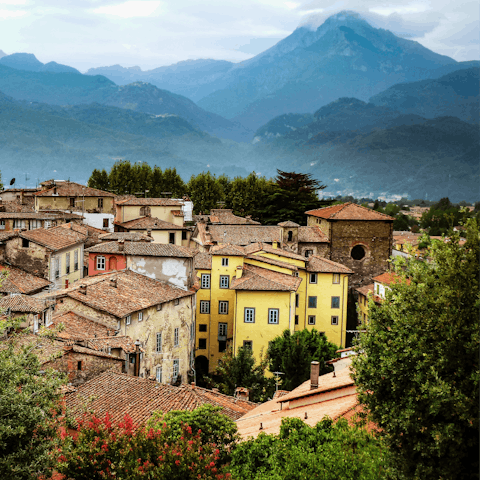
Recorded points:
(166,209)
(250,295)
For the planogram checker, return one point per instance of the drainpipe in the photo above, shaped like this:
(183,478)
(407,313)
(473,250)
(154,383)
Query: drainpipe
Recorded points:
(343,303)
(137,358)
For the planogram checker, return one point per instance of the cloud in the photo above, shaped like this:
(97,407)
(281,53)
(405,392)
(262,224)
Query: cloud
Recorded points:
(132,8)
(4,14)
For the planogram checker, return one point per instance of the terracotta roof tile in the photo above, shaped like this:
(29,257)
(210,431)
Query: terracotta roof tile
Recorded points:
(120,394)
(288,223)
(72,189)
(388,278)
(79,327)
(271,261)
(366,289)
(51,239)
(323,265)
(259,247)
(177,213)
(232,250)
(19,281)
(6,236)
(203,261)
(125,236)
(245,234)
(166,202)
(124,342)
(154,223)
(143,248)
(24,303)
(348,211)
(311,235)
(257,278)
(225,216)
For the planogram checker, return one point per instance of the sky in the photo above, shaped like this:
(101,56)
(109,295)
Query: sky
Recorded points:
(152,33)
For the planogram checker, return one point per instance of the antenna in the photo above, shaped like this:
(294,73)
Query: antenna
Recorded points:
(277,378)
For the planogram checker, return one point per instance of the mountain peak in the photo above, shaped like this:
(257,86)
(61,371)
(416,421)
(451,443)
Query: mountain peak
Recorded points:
(342,18)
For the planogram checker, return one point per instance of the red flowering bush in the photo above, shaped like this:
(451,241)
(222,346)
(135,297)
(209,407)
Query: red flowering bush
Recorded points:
(101,450)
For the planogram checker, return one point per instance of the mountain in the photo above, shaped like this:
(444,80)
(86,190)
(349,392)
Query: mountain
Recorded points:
(343,57)
(456,94)
(68,89)
(2,54)
(29,62)
(190,78)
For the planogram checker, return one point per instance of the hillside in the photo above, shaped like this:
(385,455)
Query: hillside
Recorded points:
(29,62)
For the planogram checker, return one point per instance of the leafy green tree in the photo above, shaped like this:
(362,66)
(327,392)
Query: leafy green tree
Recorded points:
(328,451)
(293,354)
(173,183)
(205,191)
(99,179)
(240,371)
(142,179)
(215,428)
(121,178)
(419,373)
(1,183)
(157,183)
(29,407)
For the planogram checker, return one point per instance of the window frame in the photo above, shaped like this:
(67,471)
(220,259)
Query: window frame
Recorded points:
(158,342)
(75,260)
(202,343)
(128,320)
(202,327)
(312,320)
(334,320)
(98,260)
(100,202)
(171,238)
(222,329)
(176,337)
(334,300)
(336,276)
(246,311)
(312,301)
(313,278)
(205,280)
(158,374)
(224,261)
(140,316)
(273,316)
(308,253)
(67,263)
(176,367)
(296,320)
(223,303)
(205,307)
(224,281)
(248,344)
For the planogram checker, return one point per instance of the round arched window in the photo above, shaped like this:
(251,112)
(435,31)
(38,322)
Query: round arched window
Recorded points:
(358,252)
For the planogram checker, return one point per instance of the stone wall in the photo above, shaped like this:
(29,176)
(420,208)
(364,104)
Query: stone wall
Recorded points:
(32,259)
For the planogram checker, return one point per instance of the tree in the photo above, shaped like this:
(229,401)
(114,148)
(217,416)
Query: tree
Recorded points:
(29,407)
(293,354)
(205,191)
(173,183)
(328,451)
(419,373)
(99,179)
(241,371)
(1,183)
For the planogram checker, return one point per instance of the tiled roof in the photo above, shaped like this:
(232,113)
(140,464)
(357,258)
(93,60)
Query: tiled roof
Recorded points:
(323,265)
(311,235)
(245,234)
(133,292)
(79,327)
(125,236)
(288,223)
(348,211)
(72,189)
(51,239)
(231,250)
(154,223)
(124,342)
(366,289)
(28,205)
(158,250)
(151,202)
(271,261)
(86,230)
(19,281)
(259,247)
(225,216)
(23,303)
(203,261)
(28,215)
(258,278)
(6,235)
(120,394)
(388,278)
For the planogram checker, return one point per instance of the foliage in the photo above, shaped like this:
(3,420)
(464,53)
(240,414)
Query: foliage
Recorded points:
(419,374)
(240,371)
(99,179)
(328,451)
(205,191)
(102,450)
(29,407)
(293,354)
(215,427)
(442,216)
(1,184)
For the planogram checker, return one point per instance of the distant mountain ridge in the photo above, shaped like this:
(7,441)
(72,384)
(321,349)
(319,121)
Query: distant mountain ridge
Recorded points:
(29,62)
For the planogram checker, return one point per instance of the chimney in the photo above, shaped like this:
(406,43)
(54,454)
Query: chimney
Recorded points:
(149,232)
(239,272)
(275,244)
(242,393)
(82,289)
(314,374)
(22,197)
(113,282)
(215,390)
(121,245)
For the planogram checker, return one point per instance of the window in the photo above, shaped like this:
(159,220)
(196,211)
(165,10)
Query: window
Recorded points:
(159,307)
(222,331)
(311,319)
(204,306)
(25,243)
(176,368)
(202,327)
(223,308)
(224,262)
(249,316)
(335,302)
(112,263)
(273,315)
(176,302)
(79,365)
(296,319)
(67,262)
(297,299)
(312,302)
(205,280)
(72,202)
(224,281)
(128,320)
(184,235)
(18,223)
(290,236)
(75,260)
(2,224)
(308,253)
(358,252)
(105,223)
(313,278)
(171,238)
(100,263)
(35,324)
(222,346)
(145,211)
(175,337)
(33,224)
(295,274)
(202,343)
(334,320)
(158,375)
(247,344)
(100,203)
(140,316)
(336,278)
(57,267)
(158,345)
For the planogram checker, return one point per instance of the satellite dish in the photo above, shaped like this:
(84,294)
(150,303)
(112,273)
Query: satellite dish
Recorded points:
(12,181)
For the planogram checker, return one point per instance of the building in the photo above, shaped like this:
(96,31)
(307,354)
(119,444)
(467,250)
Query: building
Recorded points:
(34,312)
(224,216)
(16,281)
(166,209)
(95,206)
(158,316)
(249,295)
(10,221)
(359,238)
(55,254)
(168,263)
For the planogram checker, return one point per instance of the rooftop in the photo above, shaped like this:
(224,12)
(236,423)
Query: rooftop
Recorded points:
(72,189)
(243,235)
(143,249)
(323,265)
(311,235)
(19,281)
(258,278)
(387,278)
(203,261)
(79,327)
(125,236)
(153,223)
(227,250)
(265,247)
(23,304)
(348,211)
(224,216)
(51,238)
(151,202)
(272,261)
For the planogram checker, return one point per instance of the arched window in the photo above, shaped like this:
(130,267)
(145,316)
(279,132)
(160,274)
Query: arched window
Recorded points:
(112,263)
(145,211)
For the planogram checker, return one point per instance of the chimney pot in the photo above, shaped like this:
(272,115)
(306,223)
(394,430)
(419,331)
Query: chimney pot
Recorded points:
(121,245)
(314,374)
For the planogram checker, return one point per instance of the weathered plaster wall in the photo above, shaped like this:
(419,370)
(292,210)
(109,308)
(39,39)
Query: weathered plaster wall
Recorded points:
(33,259)
(65,304)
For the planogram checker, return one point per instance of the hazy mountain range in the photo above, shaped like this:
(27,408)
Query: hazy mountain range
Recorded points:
(363,110)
